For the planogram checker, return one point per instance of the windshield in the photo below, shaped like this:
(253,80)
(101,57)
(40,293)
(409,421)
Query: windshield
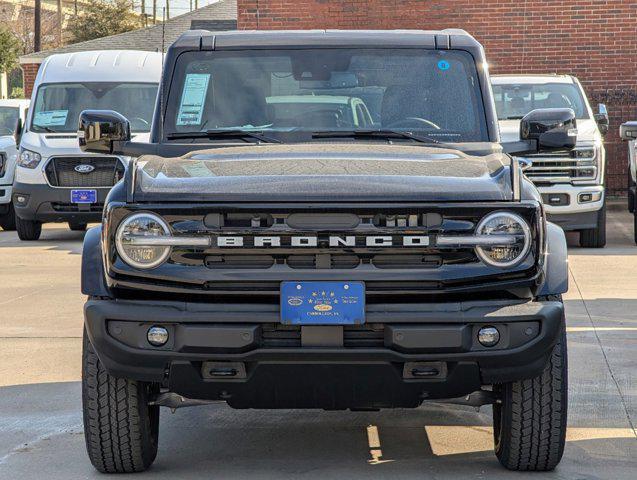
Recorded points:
(8,119)
(58,105)
(513,101)
(431,92)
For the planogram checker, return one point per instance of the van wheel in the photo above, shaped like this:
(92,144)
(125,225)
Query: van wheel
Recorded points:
(529,425)
(77,227)
(7,221)
(595,237)
(28,229)
(120,428)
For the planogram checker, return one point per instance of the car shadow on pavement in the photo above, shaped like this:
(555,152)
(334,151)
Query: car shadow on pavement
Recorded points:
(41,430)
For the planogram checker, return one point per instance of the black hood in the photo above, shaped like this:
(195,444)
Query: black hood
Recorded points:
(325,172)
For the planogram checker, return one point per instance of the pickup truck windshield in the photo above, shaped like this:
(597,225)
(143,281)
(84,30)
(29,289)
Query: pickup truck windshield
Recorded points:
(516,100)
(58,105)
(431,92)
(8,118)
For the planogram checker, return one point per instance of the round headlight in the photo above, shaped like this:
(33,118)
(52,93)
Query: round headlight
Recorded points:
(135,240)
(517,244)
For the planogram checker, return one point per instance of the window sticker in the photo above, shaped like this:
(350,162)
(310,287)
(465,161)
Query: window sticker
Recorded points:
(50,118)
(193,99)
(444,65)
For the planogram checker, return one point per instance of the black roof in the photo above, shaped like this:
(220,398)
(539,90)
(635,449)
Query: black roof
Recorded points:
(442,39)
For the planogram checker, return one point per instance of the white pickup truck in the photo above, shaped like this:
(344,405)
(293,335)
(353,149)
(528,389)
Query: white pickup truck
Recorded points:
(10,111)
(571,183)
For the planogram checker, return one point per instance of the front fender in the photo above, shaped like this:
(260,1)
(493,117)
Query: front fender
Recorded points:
(556,261)
(93,281)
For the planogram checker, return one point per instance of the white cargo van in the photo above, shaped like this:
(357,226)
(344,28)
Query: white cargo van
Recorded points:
(54,180)
(11,110)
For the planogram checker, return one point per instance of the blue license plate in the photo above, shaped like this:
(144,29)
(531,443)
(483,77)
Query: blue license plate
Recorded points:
(322,303)
(83,196)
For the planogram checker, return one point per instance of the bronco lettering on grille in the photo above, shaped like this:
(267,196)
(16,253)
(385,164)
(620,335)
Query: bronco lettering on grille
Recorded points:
(333,241)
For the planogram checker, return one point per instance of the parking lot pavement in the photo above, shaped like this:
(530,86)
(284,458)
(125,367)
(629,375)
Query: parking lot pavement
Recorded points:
(41,422)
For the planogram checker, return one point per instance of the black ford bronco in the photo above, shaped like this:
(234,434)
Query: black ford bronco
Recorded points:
(324,219)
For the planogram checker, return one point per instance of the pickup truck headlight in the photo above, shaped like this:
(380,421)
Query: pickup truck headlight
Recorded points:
(516,239)
(29,159)
(141,240)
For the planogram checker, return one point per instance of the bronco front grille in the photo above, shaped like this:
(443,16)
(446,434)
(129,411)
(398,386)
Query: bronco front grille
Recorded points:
(107,171)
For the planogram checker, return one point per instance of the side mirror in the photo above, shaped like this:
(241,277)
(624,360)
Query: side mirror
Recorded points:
(602,119)
(551,129)
(99,129)
(17,132)
(628,131)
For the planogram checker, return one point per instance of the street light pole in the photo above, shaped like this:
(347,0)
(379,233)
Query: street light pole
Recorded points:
(37,27)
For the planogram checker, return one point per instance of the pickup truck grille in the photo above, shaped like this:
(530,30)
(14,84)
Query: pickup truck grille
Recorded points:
(60,172)
(560,167)
(3,164)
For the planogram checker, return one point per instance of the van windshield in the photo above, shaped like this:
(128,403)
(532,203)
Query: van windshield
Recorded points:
(295,92)
(513,101)
(8,119)
(58,105)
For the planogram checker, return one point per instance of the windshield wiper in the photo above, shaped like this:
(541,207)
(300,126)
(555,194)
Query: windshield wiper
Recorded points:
(515,117)
(213,134)
(383,134)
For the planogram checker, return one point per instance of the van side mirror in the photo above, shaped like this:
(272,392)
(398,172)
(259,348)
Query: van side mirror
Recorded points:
(628,131)
(17,132)
(99,129)
(602,119)
(550,128)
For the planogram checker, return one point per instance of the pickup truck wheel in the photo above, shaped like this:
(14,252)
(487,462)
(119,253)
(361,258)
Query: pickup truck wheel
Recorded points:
(28,229)
(529,426)
(77,227)
(595,237)
(7,221)
(120,428)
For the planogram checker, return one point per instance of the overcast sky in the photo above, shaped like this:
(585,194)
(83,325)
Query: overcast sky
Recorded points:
(177,7)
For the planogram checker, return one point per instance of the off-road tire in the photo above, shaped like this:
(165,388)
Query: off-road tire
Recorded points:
(529,426)
(7,221)
(595,237)
(120,428)
(28,230)
(77,227)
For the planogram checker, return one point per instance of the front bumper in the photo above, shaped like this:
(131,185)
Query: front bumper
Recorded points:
(53,204)
(568,211)
(341,373)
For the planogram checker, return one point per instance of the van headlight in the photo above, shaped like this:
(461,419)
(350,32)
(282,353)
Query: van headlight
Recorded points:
(139,240)
(29,159)
(516,239)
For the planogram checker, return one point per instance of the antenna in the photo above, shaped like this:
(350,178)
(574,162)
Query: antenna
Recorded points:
(162,87)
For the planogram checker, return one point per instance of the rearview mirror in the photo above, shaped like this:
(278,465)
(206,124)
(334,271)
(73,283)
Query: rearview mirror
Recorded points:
(551,129)
(98,129)
(602,119)
(628,131)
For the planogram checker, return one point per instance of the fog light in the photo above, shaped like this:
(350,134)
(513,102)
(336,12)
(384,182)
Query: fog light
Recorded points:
(157,336)
(488,336)
(589,197)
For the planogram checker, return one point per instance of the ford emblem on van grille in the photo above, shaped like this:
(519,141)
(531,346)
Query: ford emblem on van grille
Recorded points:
(84,168)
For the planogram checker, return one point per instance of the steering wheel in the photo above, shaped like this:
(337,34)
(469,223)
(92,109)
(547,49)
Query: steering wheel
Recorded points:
(413,121)
(8,131)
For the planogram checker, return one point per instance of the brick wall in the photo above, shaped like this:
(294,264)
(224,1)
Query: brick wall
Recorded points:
(29,72)
(593,39)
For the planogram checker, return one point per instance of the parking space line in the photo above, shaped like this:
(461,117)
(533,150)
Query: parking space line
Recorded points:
(595,330)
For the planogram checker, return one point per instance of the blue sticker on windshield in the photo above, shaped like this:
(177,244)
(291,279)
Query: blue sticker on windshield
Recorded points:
(444,65)
(50,118)
(193,99)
